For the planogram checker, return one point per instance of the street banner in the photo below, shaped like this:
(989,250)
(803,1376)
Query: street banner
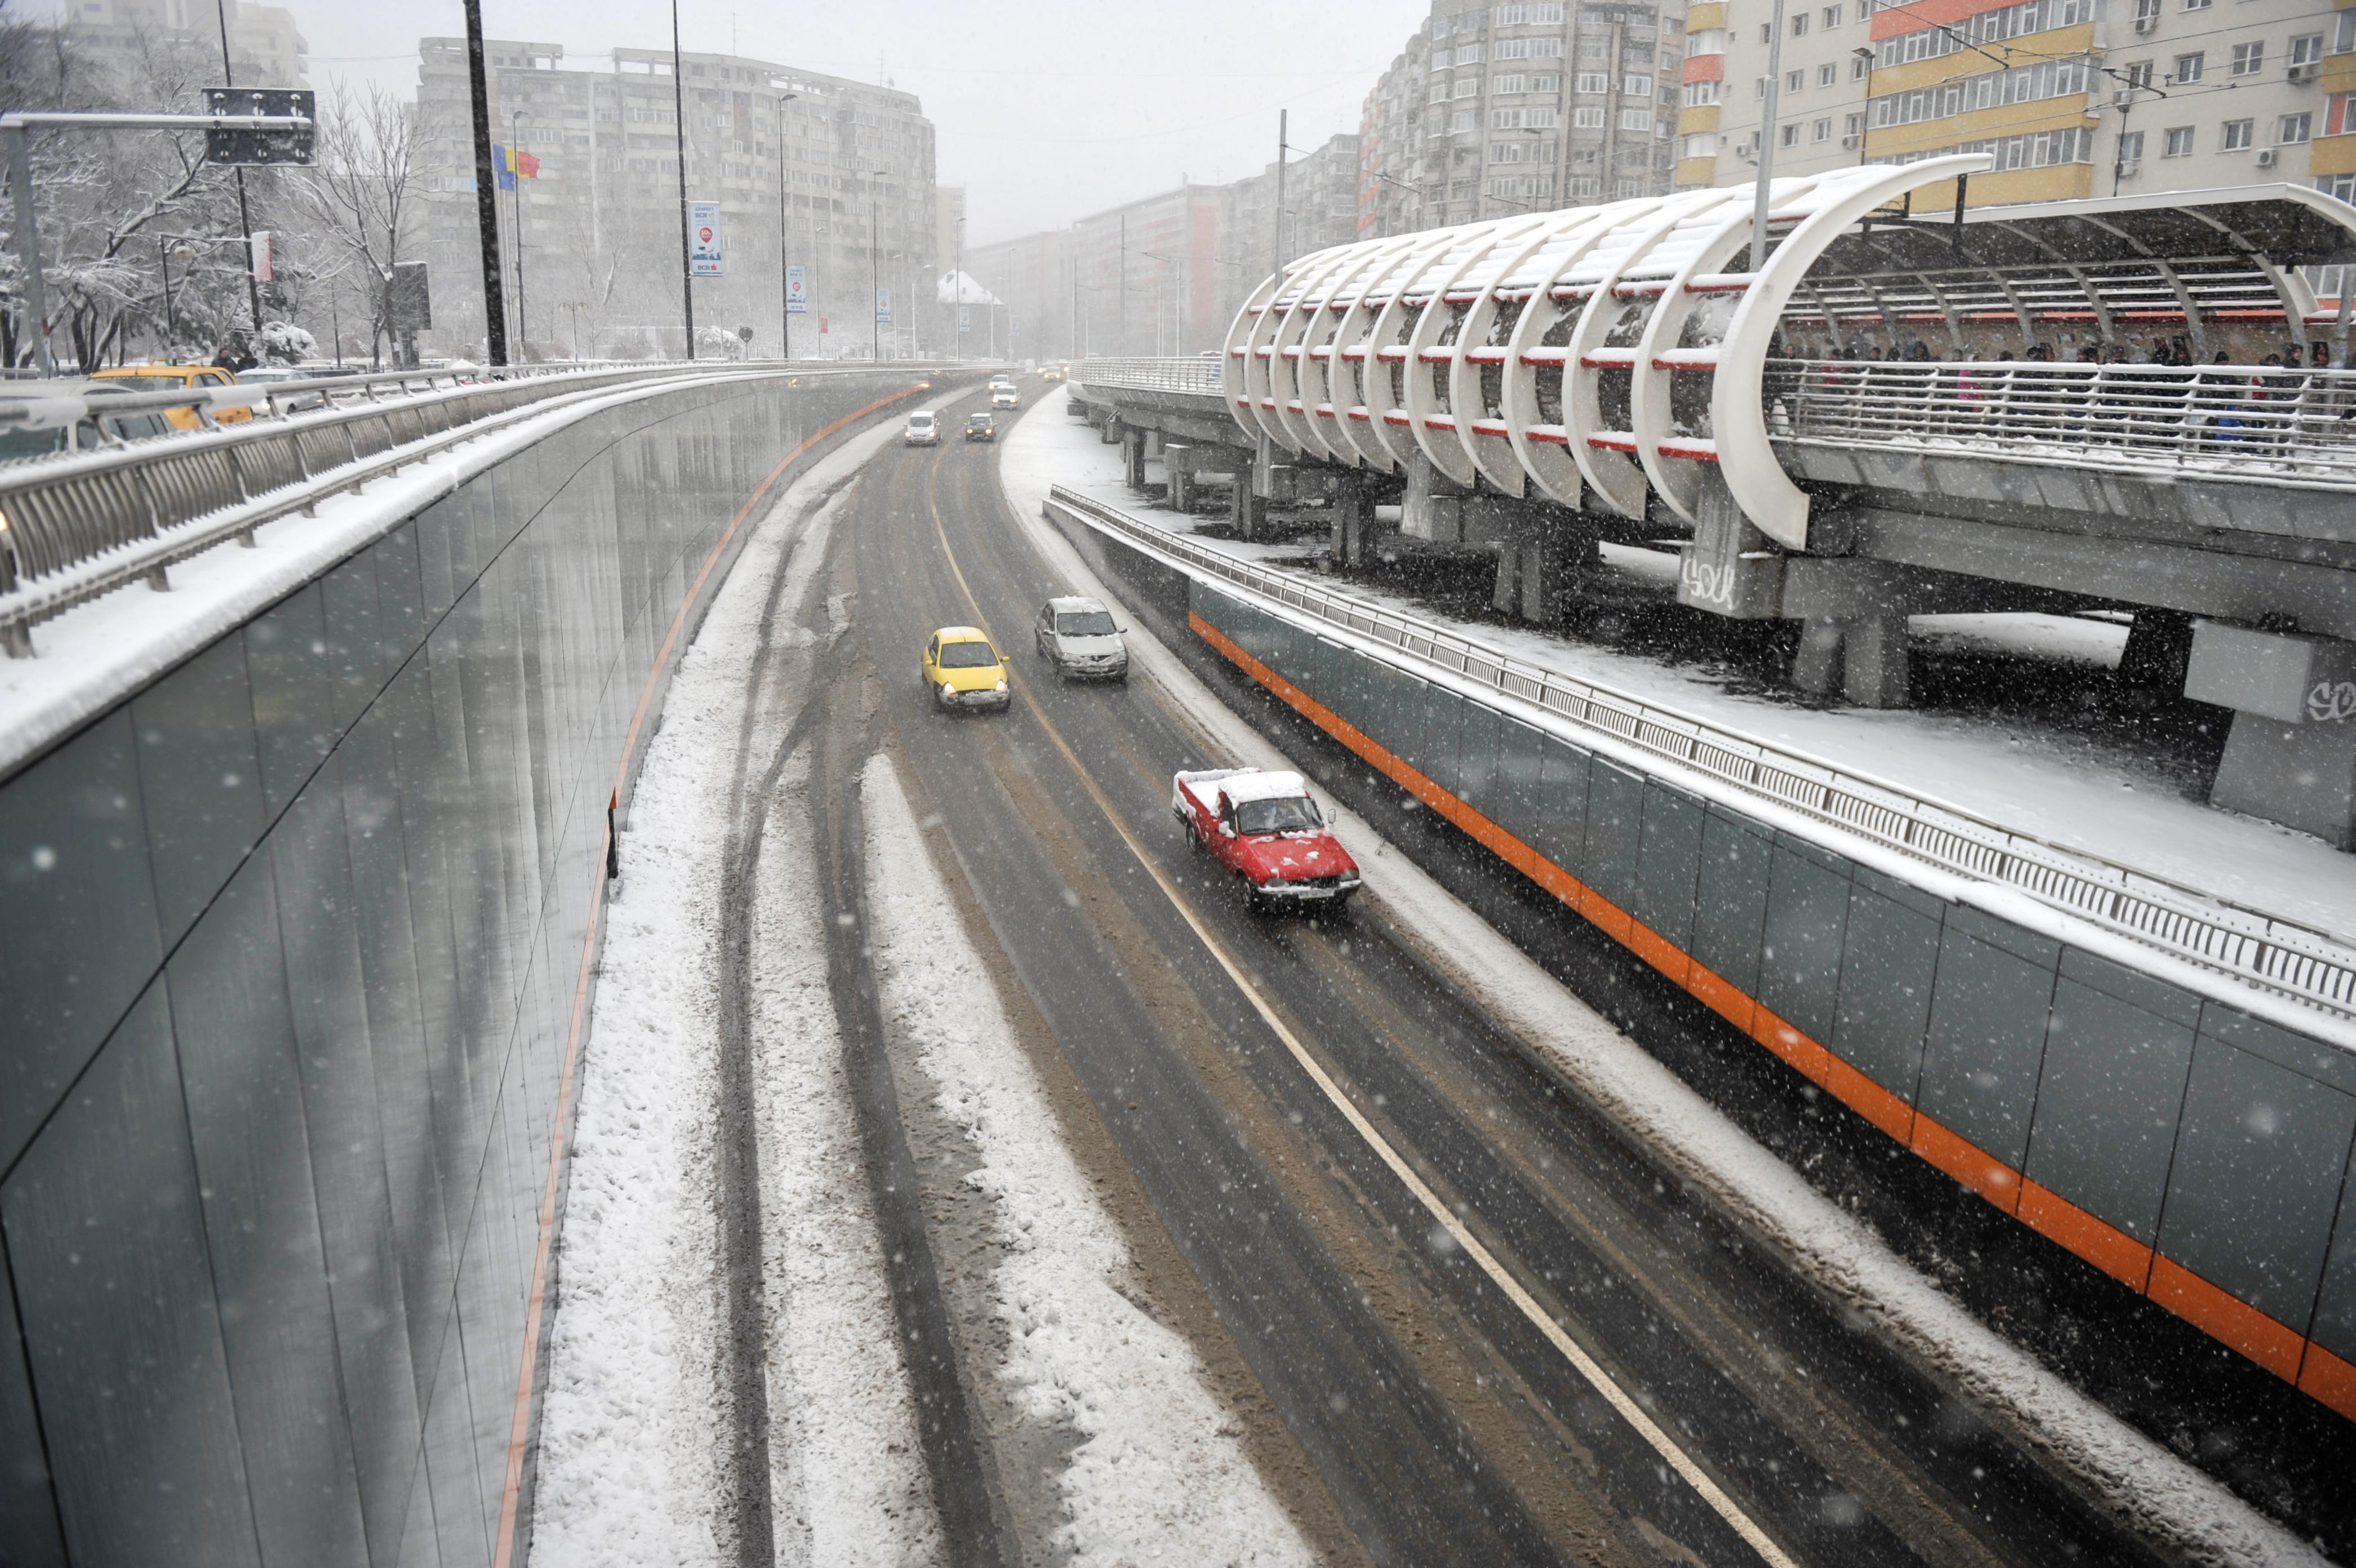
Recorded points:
(796,292)
(965,319)
(704,259)
(884,305)
(262,270)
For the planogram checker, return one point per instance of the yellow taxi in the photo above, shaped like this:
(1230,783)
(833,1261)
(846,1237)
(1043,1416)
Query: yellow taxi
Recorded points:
(178,378)
(963,669)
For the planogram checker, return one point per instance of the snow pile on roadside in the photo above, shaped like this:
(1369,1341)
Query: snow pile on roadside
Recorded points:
(634,1429)
(1161,1475)
(2171,1499)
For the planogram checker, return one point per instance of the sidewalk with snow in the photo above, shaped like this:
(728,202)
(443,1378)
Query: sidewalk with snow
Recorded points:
(2101,801)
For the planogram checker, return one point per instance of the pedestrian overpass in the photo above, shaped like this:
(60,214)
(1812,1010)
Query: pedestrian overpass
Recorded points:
(1897,412)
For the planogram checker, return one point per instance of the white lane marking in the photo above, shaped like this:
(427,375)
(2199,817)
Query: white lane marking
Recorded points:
(1585,1365)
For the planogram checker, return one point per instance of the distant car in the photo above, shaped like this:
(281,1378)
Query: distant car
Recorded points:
(1268,834)
(963,669)
(1005,397)
(922,430)
(980,425)
(1080,639)
(178,378)
(1051,372)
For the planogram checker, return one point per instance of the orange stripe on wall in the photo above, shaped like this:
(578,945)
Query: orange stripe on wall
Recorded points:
(2105,1246)
(2330,1380)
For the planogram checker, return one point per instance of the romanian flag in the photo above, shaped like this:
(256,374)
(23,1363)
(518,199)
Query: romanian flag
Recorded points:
(513,164)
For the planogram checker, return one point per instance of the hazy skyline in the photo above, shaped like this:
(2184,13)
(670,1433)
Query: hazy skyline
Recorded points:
(1044,111)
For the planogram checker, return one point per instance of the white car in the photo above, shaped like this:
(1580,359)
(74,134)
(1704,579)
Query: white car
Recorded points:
(1080,639)
(1005,397)
(922,430)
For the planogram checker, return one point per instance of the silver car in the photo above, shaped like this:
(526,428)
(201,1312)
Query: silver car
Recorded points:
(1080,639)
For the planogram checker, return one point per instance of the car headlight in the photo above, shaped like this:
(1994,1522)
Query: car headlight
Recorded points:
(1001,683)
(1274,885)
(948,689)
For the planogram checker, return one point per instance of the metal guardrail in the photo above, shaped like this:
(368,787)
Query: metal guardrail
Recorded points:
(2263,421)
(74,528)
(59,512)
(1138,373)
(2289,961)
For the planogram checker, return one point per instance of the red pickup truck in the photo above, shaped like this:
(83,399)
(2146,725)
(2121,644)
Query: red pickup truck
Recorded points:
(1265,827)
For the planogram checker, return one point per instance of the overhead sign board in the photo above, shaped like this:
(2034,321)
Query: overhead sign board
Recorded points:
(703,258)
(256,147)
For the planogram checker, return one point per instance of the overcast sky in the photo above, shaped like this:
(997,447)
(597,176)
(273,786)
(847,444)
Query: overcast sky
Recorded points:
(1046,110)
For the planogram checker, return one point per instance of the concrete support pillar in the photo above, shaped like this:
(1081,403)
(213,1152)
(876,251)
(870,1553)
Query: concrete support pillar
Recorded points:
(1248,512)
(1132,457)
(1178,462)
(1109,432)
(2290,757)
(2159,651)
(1864,660)
(1154,443)
(1351,520)
(1730,568)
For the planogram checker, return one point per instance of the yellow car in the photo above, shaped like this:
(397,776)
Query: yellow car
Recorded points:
(178,378)
(963,669)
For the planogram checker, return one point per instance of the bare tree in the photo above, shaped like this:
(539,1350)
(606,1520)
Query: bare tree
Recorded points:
(361,197)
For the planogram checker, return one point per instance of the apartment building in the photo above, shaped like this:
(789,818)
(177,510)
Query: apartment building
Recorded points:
(266,49)
(2069,98)
(1031,277)
(1498,109)
(833,176)
(1148,274)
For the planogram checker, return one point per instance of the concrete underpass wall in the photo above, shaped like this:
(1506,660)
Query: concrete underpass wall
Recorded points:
(2197,1154)
(293,944)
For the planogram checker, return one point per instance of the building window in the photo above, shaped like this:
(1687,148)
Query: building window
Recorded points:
(2235,136)
(1702,95)
(1828,73)
(1546,48)
(2343,186)
(2189,67)
(2196,5)
(1759,88)
(2343,33)
(1702,144)
(1543,119)
(1794,80)
(1586,119)
(1637,86)
(1546,84)
(1468,87)
(1464,120)
(1501,86)
(1439,92)
(1505,119)
(2338,121)
(1853,129)
(2306,49)
(1592,81)
(1635,119)
(2299,127)
(1766,33)
(1800,25)
(2130,150)
(2179,143)
(1832,17)
(1468,54)
(1822,131)
(1504,152)
(1858,67)
(2249,58)
(1865,10)
(1788,135)
(1508,15)
(2139,74)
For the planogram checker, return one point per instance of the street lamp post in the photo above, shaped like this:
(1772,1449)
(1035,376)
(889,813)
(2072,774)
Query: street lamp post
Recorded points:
(524,323)
(785,255)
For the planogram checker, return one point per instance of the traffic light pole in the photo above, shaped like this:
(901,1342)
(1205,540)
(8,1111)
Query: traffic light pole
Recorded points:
(244,219)
(486,191)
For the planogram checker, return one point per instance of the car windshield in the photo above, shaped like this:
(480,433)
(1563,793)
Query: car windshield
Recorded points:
(979,421)
(148,384)
(1085,623)
(920,422)
(1285,814)
(967,655)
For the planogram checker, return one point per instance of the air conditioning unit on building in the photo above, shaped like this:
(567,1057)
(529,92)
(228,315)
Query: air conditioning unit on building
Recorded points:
(1849,141)
(2306,69)
(2124,98)
(2147,21)
(2127,167)
(2265,157)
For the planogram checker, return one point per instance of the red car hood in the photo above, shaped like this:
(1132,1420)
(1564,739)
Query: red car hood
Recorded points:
(1295,857)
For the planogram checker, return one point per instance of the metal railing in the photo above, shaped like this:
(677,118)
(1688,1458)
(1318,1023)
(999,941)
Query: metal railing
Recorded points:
(2289,961)
(2251,421)
(57,512)
(75,527)
(1138,373)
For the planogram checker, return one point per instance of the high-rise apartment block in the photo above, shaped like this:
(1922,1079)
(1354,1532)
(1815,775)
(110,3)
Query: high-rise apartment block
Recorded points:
(1494,110)
(2069,98)
(832,176)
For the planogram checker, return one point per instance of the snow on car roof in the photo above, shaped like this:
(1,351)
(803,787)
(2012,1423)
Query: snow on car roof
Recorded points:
(963,634)
(1073,604)
(1258,786)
